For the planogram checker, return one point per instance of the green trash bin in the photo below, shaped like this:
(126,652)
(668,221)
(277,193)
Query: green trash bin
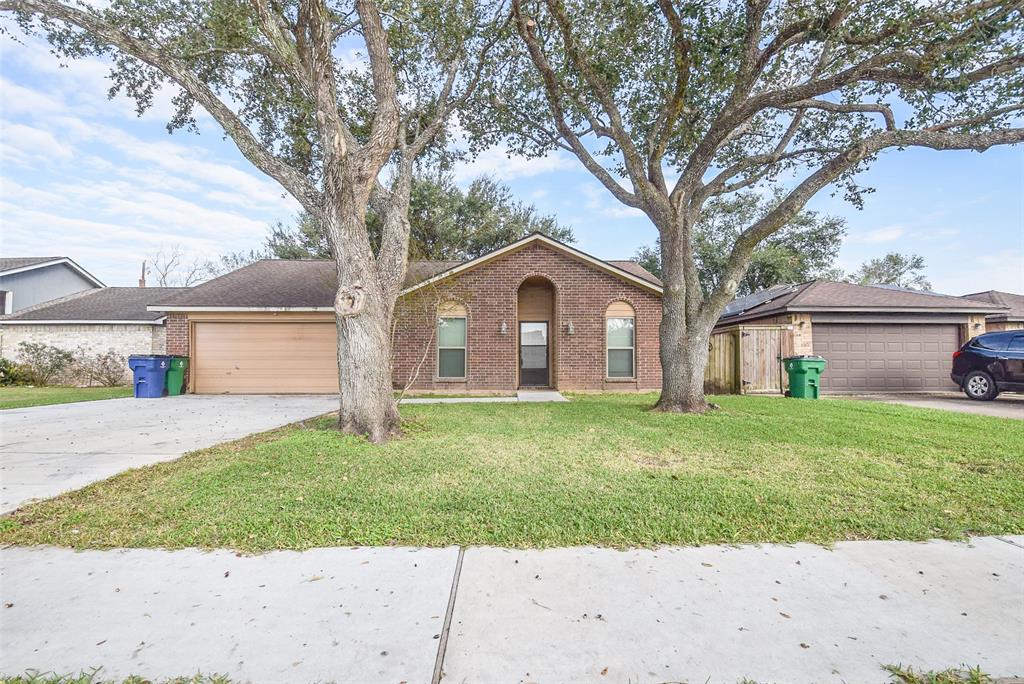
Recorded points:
(804,373)
(176,375)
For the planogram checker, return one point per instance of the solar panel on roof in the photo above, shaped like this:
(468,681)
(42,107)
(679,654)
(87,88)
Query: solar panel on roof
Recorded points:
(747,302)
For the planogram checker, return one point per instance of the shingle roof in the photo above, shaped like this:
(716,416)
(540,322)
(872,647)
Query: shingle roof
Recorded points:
(10,263)
(828,295)
(636,269)
(1014,302)
(100,304)
(285,283)
(309,283)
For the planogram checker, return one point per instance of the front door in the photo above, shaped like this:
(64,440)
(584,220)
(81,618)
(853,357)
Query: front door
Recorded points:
(533,354)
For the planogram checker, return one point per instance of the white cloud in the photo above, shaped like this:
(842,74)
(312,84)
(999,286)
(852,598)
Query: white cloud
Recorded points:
(20,143)
(500,164)
(878,235)
(600,201)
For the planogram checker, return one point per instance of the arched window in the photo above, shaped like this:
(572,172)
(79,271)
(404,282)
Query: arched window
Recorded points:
(620,340)
(451,341)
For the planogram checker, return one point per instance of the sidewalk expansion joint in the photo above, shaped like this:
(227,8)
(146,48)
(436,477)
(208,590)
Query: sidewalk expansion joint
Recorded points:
(446,628)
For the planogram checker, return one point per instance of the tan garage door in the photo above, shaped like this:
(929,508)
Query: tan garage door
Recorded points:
(265,358)
(886,358)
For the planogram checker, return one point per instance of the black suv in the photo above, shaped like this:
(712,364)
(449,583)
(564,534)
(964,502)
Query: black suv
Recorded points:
(989,364)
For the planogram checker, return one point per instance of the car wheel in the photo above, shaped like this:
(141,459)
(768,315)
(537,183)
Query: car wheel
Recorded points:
(980,386)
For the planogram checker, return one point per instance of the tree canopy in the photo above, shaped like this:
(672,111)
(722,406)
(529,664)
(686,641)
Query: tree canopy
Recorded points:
(805,248)
(671,104)
(901,270)
(446,223)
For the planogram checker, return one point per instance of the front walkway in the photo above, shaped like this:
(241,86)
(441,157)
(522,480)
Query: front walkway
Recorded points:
(795,614)
(47,450)
(521,395)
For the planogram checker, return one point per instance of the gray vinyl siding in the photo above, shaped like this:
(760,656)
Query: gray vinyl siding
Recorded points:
(43,284)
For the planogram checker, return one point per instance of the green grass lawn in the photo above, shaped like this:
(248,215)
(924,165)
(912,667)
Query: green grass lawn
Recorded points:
(602,469)
(22,397)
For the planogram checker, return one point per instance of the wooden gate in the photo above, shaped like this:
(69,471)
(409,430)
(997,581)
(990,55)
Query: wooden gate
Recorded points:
(747,359)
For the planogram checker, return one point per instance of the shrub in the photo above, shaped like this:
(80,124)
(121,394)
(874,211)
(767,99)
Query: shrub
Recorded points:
(106,369)
(11,373)
(43,363)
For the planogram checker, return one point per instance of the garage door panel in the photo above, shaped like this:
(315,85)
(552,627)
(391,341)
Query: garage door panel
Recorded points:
(265,358)
(875,358)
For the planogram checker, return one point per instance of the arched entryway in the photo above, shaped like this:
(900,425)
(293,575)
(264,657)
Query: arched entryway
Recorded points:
(535,313)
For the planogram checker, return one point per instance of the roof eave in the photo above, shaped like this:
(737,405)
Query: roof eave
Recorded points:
(522,242)
(56,262)
(241,309)
(58,321)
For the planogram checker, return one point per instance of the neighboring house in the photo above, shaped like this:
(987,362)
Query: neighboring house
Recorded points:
(1010,319)
(27,281)
(875,338)
(95,321)
(537,313)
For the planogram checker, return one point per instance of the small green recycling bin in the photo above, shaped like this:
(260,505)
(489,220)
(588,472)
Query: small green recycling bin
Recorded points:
(176,375)
(804,373)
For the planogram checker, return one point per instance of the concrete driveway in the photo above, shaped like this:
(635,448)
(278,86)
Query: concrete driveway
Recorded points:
(1004,406)
(773,613)
(47,450)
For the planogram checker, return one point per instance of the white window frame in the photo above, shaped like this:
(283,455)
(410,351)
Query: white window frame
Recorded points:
(608,348)
(464,348)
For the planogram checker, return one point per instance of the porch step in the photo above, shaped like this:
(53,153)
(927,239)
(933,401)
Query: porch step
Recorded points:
(539,395)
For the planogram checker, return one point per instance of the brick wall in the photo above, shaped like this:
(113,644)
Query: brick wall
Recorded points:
(803,334)
(177,334)
(975,326)
(582,293)
(93,339)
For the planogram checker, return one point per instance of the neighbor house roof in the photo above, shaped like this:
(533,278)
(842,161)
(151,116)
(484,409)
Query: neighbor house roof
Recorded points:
(100,305)
(310,284)
(12,265)
(1013,302)
(825,295)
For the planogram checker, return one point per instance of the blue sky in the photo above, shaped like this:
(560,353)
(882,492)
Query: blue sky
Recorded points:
(83,176)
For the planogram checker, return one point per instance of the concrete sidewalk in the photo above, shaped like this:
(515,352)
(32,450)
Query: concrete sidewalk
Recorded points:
(710,614)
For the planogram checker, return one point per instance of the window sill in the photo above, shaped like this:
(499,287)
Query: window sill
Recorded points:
(620,379)
(451,381)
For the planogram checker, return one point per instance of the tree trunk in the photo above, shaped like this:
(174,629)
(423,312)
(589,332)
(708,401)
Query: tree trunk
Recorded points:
(684,357)
(684,341)
(367,404)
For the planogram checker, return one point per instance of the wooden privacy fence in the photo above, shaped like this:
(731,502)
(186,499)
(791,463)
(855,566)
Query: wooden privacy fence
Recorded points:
(747,359)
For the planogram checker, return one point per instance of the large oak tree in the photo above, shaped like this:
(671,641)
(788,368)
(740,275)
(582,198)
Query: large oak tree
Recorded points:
(672,103)
(337,133)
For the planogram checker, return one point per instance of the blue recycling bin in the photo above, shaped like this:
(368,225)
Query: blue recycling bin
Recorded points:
(150,375)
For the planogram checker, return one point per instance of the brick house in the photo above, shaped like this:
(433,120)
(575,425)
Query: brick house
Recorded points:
(93,321)
(536,313)
(1012,315)
(875,338)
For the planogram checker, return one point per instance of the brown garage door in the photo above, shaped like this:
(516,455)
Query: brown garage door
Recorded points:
(886,358)
(264,358)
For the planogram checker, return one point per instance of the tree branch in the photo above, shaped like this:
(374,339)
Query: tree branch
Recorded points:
(884,110)
(525,27)
(838,165)
(290,178)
